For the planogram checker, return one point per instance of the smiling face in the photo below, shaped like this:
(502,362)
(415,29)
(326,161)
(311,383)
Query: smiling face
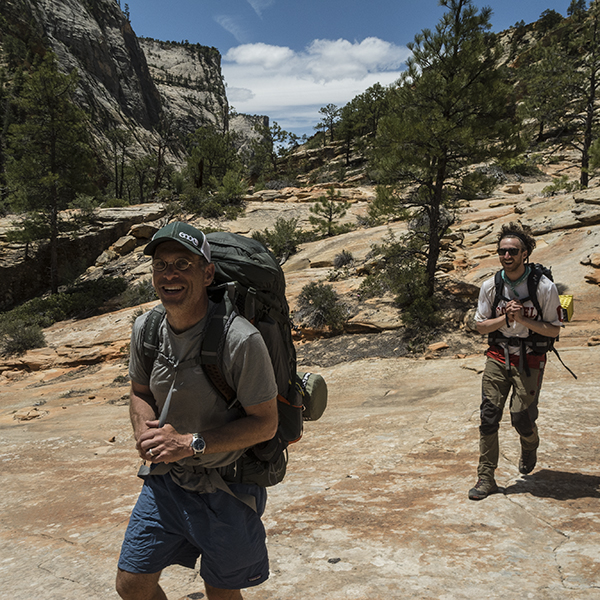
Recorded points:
(182,292)
(514,266)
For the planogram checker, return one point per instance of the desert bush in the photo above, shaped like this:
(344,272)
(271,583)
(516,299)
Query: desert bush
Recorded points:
(326,211)
(402,272)
(16,338)
(284,239)
(319,305)
(343,259)
(561,185)
(78,301)
(140,293)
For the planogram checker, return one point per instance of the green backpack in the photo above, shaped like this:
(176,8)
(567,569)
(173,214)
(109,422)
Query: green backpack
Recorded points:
(250,283)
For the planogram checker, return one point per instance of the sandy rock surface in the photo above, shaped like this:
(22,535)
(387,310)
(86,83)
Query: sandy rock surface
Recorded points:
(375,504)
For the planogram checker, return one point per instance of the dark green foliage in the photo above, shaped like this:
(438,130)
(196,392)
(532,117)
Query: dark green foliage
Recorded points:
(326,211)
(49,157)
(559,81)
(330,117)
(343,259)
(320,306)
(451,109)
(576,8)
(139,293)
(79,301)
(16,338)
(284,239)
(520,165)
(211,154)
(268,151)
(20,328)
(477,184)
(402,272)
(548,20)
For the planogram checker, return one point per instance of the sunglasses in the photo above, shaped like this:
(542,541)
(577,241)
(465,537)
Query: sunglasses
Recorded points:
(181,264)
(511,251)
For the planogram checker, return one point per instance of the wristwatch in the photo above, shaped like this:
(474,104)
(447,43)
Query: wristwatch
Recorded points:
(198,444)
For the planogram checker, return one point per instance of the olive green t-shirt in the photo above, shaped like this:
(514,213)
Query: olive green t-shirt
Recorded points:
(196,406)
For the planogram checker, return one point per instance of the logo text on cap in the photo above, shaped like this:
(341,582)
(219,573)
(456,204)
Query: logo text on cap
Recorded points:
(189,238)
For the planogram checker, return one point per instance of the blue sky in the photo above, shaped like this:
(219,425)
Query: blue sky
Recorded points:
(288,58)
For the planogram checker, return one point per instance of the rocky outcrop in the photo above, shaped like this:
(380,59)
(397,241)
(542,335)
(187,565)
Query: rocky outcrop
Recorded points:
(24,277)
(180,84)
(188,79)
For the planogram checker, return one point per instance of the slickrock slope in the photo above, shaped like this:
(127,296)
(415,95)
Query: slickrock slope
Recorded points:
(374,505)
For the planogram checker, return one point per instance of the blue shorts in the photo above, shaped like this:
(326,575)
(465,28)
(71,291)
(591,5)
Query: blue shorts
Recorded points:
(170,525)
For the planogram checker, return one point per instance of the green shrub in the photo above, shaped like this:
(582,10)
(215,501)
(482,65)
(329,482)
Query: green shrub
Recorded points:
(115,203)
(232,189)
(87,209)
(139,293)
(201,203)
(561,185)
(343,259)
(477,185)
(16,338)
(326,211)
(319,306)
(284,239)
(78,301)
(521,165)
(402,272)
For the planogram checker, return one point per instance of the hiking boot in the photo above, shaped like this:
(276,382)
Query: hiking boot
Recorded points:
(483,488)
(527,461)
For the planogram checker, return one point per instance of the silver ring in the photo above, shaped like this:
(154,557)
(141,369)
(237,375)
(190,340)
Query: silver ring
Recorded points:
(150,452)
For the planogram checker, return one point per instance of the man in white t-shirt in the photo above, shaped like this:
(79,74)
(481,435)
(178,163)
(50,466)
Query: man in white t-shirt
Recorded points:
(512,323)
(181,513)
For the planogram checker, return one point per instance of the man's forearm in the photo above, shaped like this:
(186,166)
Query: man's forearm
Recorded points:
(242,433)
(168,445)
(141,410)
(490,325)
(540,327)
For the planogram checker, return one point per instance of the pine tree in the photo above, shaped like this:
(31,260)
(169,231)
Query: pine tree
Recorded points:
(451,109)
(326,211)
(49,158)
(564,82)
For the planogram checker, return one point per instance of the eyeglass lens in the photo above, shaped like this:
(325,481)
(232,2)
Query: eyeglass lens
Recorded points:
(181,264)
(511,251)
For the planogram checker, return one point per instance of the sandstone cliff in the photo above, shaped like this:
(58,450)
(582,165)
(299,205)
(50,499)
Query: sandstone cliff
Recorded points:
(124,81)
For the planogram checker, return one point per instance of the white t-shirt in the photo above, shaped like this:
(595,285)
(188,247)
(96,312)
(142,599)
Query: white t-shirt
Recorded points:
(547,296)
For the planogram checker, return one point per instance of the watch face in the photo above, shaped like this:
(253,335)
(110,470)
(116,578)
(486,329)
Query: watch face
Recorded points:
(198,445)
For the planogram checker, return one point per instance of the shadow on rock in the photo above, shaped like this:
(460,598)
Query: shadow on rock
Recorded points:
(559,485)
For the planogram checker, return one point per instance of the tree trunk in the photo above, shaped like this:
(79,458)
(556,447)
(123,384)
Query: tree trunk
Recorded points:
(433,253)
(589,113)
(54,247)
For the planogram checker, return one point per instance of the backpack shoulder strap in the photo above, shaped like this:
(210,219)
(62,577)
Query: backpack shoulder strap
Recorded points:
(532,284)
(150,334)
(498,289)
(211,351)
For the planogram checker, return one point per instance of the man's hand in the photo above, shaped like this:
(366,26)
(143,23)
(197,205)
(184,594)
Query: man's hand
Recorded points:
(163,444)
(514,311)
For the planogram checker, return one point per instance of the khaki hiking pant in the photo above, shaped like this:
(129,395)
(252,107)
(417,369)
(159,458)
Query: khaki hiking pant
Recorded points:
(497,384)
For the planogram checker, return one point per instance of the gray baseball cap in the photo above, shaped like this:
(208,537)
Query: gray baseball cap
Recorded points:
(189,237)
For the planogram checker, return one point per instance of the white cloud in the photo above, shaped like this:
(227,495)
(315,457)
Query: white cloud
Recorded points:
(290,86)
(260,5)
(239,94)
(261,56)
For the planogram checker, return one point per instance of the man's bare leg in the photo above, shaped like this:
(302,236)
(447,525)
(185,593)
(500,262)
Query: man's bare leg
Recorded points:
(213,593)
(139,586)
